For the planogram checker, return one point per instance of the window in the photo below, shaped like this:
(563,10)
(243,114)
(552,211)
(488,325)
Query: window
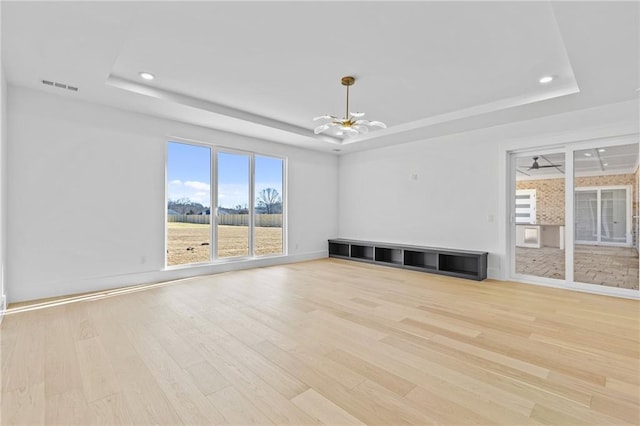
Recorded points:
(249,192)
(268,205)
(232,217)
(188,204)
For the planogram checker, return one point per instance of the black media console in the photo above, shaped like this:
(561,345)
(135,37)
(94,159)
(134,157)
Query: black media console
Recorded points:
(455,263)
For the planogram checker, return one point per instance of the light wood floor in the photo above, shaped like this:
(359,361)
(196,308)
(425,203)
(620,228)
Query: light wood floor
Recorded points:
(326,342)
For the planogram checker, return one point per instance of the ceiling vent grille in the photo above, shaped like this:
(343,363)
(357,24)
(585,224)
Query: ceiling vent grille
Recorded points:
(59,85)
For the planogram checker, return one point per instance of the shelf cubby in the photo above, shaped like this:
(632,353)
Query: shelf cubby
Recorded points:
(361,252)
(458,264)
(338,249)
(388,255)
(421,259)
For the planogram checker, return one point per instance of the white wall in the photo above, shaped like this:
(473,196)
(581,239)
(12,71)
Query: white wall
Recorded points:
(3,187)
(459,197)
(3,180)
(86,201)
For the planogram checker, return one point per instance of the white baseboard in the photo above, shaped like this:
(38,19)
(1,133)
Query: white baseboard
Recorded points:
(90,284)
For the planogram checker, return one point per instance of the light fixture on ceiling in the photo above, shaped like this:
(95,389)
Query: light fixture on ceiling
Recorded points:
(601,150)
(351,124)
(605,164)
(587,154)
(546,79)
(147,75)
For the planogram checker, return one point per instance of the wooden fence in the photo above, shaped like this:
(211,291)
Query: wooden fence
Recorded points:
(261,220)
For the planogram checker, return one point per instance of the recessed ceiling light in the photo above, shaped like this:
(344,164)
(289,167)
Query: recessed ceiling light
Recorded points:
(605,164)
(546,79)
(147,75)
(601,150)
(586,154)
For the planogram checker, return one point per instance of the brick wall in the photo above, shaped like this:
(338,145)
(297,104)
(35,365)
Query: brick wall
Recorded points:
(549,199)
(550,195)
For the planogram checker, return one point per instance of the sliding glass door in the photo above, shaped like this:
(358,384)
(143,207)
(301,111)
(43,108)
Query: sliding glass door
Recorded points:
(604,201)
(574,216)
(615,227)
(538,221)
(603,216)
(586,211)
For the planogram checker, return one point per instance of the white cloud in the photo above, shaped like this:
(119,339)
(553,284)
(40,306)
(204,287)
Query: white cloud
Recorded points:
(192,190)
(200,186)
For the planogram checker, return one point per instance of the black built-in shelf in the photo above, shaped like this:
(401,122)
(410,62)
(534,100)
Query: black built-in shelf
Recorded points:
(456,263)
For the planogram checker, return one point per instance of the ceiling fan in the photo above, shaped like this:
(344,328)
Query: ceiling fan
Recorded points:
(536,166)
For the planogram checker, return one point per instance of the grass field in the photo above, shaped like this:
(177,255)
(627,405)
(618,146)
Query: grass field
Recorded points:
(233,241)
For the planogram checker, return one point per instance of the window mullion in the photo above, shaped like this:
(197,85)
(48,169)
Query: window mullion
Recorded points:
(213,218)
(252,197)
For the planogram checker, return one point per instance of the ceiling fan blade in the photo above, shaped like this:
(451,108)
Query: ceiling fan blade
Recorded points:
(550,165)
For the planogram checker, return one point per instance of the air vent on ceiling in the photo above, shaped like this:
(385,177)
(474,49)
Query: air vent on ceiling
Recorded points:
(59,85)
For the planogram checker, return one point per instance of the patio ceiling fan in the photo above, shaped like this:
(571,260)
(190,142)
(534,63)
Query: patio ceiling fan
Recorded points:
(536,166)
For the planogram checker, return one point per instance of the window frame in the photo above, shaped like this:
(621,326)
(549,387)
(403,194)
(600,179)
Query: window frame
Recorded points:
(213,222)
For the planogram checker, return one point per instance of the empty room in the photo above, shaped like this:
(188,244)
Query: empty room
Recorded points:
(319,213)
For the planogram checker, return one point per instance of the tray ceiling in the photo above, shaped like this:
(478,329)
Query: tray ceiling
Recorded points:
(264,69)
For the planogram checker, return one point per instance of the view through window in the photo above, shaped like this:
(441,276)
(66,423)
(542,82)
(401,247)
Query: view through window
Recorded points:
(268,205)
(249,218)
(188,204)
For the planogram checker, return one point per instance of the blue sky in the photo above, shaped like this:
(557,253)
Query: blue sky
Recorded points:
(189,175)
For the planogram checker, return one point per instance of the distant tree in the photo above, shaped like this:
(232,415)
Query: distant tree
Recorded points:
(269,201)
(185,206)
(242,209)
